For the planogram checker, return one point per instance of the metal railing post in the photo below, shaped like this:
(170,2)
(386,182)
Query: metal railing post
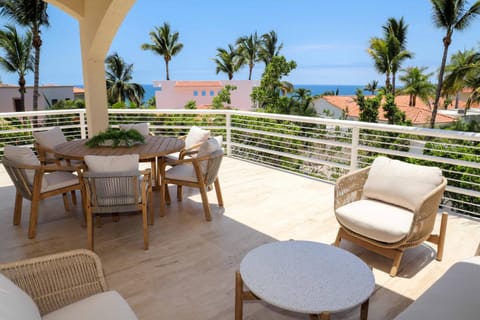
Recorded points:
(228,124)
(83,124)
(354,150)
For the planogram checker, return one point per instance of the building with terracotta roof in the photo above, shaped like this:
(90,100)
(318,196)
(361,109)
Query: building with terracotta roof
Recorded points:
(175,94)
(346,106)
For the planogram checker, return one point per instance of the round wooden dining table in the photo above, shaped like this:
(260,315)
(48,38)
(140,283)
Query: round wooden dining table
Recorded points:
(154,149)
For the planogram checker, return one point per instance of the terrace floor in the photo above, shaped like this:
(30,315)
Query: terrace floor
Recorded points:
(188,272)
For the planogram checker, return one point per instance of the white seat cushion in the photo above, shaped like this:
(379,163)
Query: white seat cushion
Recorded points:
(103,306)
(401,183)
(184,172)
(15,304)
(453,296)
(195,136)
(143,127)
(58,179)
(128,162)
(376,220)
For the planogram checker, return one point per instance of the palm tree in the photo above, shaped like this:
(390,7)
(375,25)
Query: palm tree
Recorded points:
(164,43)
(18,56)
(372,87)
(450,15)
(227,61)
(454,82)
(416,84)
(395,34)
(33,15)
(118,75)
(468,74)
(378,50)
(248,48)
(269,47)
(286,87)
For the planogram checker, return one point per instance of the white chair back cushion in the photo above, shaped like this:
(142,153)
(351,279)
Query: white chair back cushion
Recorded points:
(25,156)
(50,138)
(399,183)
(142,128)
(195,136)
(207,148)
(15,304)
(128,162)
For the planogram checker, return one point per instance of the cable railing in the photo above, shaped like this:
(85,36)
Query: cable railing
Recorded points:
(318,148)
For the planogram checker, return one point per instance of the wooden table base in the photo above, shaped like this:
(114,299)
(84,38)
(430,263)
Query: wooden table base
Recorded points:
(241,295)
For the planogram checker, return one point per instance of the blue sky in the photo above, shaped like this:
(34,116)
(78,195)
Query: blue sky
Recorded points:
(327,39)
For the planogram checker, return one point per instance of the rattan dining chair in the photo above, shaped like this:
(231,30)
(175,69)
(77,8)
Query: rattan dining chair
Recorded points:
(199,172)
(35,182)
(113,184)
(389,207)
(195,137)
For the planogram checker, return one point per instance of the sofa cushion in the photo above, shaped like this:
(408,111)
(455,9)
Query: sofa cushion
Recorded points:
(403,184)
(15,304)
(142,128)
(376,220)
(195,136)
(127,162)
(107,305)
(453,296)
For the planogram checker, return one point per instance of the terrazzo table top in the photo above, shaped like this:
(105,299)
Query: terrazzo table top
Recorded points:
(307,277)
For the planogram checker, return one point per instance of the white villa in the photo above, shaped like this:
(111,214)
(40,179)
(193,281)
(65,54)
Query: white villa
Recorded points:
(49,94)
(175,94)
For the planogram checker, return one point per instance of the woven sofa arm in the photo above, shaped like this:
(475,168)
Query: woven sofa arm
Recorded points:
(54,281)
(349,187)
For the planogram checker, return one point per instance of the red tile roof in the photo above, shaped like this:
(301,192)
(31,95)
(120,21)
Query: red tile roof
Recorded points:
(420,114)
(198,84)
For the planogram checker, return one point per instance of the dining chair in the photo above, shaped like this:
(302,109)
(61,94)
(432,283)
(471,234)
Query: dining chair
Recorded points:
(113,184)
(389,207)
(144,129)
(35,181)
(199,172)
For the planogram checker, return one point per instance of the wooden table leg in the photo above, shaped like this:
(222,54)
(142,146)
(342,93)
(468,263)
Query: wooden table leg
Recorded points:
(238,296)
(364,310)
(325,315)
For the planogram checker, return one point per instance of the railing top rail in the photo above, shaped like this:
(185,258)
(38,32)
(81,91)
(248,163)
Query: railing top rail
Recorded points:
(448,134)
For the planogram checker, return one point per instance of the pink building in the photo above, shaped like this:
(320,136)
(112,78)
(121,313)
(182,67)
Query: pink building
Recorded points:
(175,94)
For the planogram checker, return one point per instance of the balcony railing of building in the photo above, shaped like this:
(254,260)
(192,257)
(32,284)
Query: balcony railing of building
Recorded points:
(314,147)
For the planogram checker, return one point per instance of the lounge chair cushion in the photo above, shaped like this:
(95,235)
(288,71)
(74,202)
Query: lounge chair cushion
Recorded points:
(107,305)
(403,184)
(15,304)
(453,296)
(195,136)
(376,220)
(143,127)
(127,162)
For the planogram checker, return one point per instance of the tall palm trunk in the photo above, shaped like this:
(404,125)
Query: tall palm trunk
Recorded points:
(446,43)
(21,89)
(457,100)
(166,68)
(250,71)
(393,83)
(37,43)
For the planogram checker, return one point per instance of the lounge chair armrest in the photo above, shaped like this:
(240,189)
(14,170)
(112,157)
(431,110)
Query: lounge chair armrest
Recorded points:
(349,187)
(56,280)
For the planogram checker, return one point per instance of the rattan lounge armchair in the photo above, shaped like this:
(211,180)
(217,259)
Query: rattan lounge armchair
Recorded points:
(65,283)
(389,207)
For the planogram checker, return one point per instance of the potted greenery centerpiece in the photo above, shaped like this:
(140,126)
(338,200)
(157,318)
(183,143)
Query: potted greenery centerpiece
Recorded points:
(116,138)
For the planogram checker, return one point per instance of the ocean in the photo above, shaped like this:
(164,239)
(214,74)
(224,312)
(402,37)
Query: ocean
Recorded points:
(344,90)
